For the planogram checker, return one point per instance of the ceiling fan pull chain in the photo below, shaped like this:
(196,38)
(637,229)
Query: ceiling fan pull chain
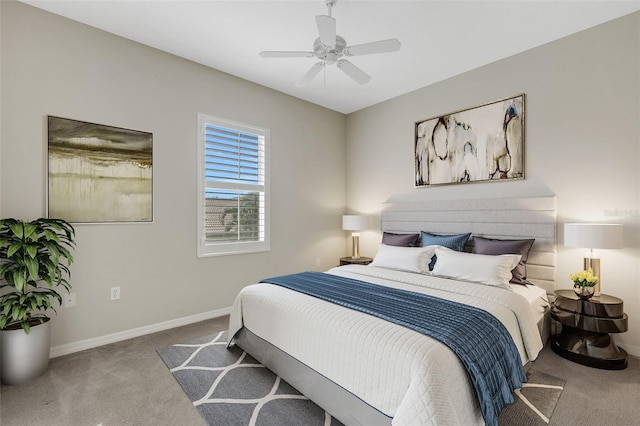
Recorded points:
(324,76)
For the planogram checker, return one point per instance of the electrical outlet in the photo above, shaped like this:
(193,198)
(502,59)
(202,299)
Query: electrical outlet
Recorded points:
(318,263)
(69,300)
(115,293)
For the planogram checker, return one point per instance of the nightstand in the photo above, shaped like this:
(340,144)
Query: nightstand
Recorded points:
(586,330)
(359,261)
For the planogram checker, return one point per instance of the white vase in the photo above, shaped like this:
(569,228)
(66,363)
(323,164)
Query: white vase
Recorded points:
(23,356)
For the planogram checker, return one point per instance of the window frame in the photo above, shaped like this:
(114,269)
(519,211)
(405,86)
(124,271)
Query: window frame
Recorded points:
(204,248)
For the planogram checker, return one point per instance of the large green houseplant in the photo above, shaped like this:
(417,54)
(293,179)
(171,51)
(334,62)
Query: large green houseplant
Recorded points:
(34,265)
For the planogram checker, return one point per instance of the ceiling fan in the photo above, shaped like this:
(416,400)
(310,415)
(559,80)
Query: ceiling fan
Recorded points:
(330,48)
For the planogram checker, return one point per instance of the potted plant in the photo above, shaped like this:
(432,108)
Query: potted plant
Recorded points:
(34,264)
(584,283)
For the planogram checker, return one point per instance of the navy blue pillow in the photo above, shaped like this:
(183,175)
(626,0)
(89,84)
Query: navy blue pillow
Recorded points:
(453,241)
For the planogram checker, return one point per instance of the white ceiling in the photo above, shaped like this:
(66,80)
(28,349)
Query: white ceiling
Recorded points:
(439,39)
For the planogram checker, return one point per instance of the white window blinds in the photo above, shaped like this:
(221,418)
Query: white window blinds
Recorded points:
(234,184)
(234,156)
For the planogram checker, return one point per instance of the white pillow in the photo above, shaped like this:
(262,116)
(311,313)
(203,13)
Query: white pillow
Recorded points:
(480,268)
(411,259)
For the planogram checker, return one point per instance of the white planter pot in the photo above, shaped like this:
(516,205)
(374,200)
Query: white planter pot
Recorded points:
(23,356)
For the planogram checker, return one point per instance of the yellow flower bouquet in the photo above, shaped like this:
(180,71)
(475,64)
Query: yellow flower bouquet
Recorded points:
(584,283)
(584,278)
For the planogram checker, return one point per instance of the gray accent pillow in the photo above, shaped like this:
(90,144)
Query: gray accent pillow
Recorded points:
(400,240)
(496,247)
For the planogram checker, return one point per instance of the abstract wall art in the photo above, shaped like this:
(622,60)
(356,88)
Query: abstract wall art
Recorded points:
(480,144)
(99,173)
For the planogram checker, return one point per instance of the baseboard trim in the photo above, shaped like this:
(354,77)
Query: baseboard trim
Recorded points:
(94,342)
(631,349)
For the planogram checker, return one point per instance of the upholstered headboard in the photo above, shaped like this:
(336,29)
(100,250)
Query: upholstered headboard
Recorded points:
(509,218)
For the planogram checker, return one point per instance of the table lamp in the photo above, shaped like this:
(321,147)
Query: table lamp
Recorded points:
(352,222)
(593,236)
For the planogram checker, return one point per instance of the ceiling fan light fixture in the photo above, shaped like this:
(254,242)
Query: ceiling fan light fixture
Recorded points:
(330,48)
(330,58)
(329,54)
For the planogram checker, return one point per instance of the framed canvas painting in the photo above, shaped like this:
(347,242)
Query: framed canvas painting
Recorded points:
(99,173)
(480,144)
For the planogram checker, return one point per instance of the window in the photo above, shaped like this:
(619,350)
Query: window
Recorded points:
(233,200)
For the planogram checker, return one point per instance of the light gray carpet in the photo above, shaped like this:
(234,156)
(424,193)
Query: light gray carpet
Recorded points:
(228,386)
(127,383)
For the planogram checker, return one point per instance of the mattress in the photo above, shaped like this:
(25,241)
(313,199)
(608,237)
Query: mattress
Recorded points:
(405,375)
(536,296)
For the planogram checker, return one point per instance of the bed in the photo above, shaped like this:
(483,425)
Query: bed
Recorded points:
(366,370)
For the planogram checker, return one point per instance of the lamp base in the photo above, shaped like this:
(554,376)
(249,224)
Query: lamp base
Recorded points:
(593,263)
(356,245)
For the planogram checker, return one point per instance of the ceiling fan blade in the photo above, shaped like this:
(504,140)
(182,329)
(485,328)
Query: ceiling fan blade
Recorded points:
(354,72)
(326,29)
(309,75)
(286,54)
(382,46)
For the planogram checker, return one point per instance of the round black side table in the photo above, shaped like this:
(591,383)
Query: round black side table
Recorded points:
(359,261)
(586,330)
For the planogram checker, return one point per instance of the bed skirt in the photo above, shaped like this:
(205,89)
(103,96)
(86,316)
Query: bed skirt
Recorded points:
(546,327)
(340,403)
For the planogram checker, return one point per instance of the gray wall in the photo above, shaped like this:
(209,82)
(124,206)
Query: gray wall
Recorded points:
(582,144)
(51,65)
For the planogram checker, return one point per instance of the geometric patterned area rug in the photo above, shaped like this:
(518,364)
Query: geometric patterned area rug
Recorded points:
(535,401)
(229,387)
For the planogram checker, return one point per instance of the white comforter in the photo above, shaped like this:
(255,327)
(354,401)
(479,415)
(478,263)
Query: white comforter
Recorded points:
(408,376)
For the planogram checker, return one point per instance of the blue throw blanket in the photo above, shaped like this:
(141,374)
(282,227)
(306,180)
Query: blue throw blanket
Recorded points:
(480,340)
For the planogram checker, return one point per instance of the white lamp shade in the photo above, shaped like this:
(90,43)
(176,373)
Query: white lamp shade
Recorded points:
(354,222)
(593,235)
